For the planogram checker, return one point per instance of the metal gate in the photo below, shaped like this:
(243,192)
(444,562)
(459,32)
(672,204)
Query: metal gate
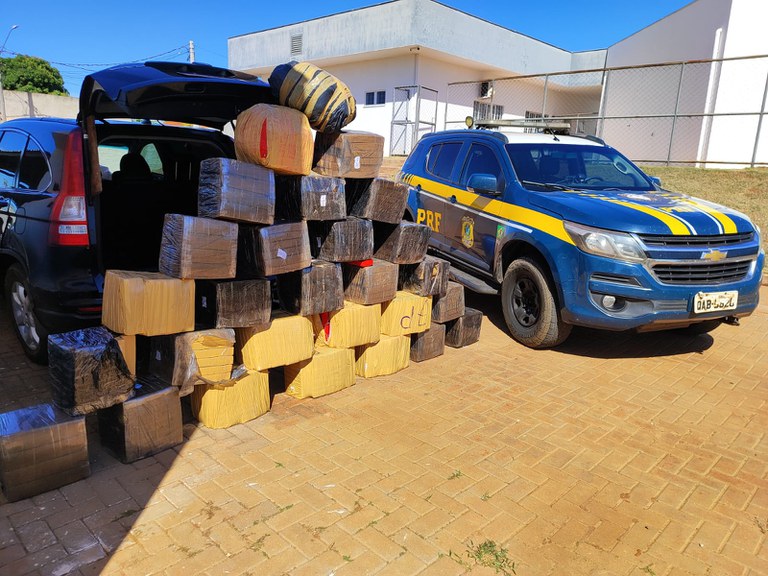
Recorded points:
(414,113)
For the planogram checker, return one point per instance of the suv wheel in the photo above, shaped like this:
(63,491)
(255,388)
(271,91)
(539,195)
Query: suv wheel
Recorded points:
(32,335)
(529,306)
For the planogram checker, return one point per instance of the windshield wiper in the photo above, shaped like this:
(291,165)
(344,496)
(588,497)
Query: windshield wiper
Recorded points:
(547,185)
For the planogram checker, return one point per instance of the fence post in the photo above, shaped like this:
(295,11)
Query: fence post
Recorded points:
(603,104)
(417,120)
(674,117)
(759,124)
(544,103)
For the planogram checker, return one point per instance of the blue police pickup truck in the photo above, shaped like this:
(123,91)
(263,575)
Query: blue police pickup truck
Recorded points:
(571,233)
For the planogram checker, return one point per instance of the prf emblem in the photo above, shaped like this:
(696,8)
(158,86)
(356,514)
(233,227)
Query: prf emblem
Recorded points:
(467,231)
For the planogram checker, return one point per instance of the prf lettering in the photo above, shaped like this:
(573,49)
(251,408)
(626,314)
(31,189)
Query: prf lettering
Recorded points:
(431,219)
(406,322)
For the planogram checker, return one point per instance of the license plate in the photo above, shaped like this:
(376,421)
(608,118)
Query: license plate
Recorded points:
(705,302)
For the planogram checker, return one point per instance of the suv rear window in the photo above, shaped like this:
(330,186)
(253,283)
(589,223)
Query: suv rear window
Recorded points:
(441,159)
(11,145)
(34,173)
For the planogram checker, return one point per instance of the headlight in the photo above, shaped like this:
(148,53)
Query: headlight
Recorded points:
(605,243)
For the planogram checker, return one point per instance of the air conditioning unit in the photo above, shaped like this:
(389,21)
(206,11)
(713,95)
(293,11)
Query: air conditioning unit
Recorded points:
(486,89)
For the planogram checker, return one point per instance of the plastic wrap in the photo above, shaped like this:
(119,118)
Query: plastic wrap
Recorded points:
(41,449)
(451,305)
(351,326)
(389,355)
(326,100)
(465,330)
(370,284)
(328,371)
(275,137)
(313,290)
(404,243)
(234,190)
(147,303)
(428,277)
(87,371)
(429,344)
(310,198)
(342,241)
(127,346)
(406,313)
(198,247)
(348,154)
(287,340)
(235,402)
(377,199)
(232,303)
(269,250)
(148,423)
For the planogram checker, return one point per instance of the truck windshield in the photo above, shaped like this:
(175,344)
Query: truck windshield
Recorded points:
(544,166)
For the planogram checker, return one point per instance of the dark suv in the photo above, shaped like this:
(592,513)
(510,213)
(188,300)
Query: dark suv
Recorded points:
(78,197)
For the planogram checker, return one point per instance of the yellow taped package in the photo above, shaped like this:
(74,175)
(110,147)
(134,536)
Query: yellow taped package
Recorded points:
(389,355)
(328,371)
(407,313)
(224,405)
(286,340)
(127,346)
(353,325)
(147,303)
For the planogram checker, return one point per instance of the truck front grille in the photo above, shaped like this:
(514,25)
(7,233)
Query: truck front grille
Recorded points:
(702,273)
(652,240)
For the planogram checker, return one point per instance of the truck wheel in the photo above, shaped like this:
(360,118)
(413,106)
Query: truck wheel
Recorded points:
(31,333)
(529,306)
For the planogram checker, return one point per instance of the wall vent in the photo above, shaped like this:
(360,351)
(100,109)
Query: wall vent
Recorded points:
(297,44)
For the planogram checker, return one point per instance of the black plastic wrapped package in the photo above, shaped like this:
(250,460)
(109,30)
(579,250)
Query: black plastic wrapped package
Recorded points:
(370,284)
(428,344)
(465,330)
(198,247)
(450,305)
(377,199)
(269,250)
(348,154)
(343,241)
(310,198)
(404,243)
(428,277)
(313,290)
(232,303)
(238,191)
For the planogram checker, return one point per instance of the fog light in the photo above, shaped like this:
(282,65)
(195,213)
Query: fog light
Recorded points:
(613,303)
(609,301)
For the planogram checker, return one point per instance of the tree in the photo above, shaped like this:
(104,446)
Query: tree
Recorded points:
(31,74)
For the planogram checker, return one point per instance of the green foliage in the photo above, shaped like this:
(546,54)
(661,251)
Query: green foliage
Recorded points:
(31,74)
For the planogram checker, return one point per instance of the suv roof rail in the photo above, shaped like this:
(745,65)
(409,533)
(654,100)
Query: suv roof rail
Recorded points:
(551,126)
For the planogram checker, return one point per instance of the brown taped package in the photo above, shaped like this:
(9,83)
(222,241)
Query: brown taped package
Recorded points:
(389,355)
(41,449)
(235,402)
(404,243)
(342,241)
(276,137)
(328,371)
(198,247)
(287,340)
(353,325)
(313,290)
(451,305)
(378,199)
(270,250)
(370,284)
(428,277)
(232,303)
(148,423)
(348,154)
(147,303)
(465,330)
(406,313)
(429,344)
(234,190)
(310,198)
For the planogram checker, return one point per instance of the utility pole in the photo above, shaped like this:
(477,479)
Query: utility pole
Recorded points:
(191,50)
(2,95)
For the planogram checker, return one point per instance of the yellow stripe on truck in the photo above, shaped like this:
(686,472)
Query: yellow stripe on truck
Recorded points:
(675,226)
(729,226)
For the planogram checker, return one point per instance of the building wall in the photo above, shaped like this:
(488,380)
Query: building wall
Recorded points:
(24,104)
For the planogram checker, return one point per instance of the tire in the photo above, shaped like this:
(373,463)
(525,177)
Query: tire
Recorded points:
(701,327)
(529,305)
(30,332)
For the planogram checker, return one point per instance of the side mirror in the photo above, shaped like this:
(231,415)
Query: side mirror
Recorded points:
(483,184)
(656,180)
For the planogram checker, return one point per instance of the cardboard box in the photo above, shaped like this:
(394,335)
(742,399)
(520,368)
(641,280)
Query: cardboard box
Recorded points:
(87,371)
(237,191)
(148,423)
(377,199)
(353,325)
(348,154)
(328,371)
(287,340)
(465,330)
(313,290)
(389,355)
(235,402)
(127,344)
(451,305)
(41,449)
(147,303)
(232,303)
(342,241)
(404,243)
(269,250)
(198,247)
(275,137)
(428,277)
(429,344)
(370,284)
(311,198)
(406,313)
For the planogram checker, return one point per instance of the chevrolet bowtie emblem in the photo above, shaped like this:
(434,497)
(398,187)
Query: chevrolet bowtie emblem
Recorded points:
(714,255)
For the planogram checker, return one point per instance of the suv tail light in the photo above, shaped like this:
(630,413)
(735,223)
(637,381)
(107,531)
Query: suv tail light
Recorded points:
(69,224)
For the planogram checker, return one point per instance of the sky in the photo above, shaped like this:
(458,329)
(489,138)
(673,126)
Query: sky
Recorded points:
(79,36)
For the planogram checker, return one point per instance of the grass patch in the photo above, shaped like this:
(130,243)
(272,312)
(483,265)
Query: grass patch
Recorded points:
(485,497)
(763,526)
(648,570)
(488,554)
(456,474)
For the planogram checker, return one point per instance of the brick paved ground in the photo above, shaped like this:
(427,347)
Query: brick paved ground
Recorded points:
(613,455)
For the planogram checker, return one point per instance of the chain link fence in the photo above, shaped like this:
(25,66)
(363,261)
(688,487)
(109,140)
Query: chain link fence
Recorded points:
(703,113)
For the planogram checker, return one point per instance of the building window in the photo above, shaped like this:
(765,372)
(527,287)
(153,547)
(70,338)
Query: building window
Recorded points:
(486,111)
(375,98)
